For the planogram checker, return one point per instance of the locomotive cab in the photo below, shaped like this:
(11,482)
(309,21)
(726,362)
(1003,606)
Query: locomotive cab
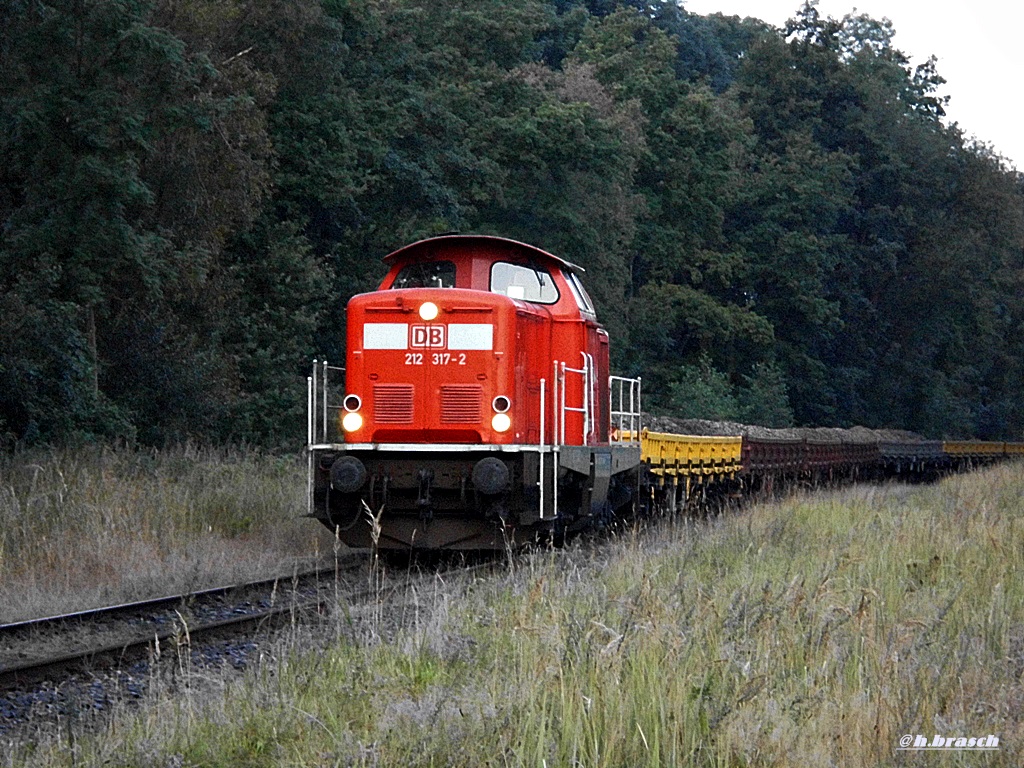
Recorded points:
(476,390)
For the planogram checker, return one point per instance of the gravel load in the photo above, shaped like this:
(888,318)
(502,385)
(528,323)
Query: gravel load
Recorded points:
(814,434)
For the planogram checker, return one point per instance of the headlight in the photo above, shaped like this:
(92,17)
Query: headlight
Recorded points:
(429,311)
(501,422)
(351,422)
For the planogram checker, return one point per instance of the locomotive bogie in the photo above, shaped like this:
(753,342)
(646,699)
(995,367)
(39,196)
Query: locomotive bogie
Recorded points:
(423,498)
(462,497)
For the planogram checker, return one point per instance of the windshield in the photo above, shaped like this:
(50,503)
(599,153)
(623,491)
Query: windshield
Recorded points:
(426,274)
(526,283)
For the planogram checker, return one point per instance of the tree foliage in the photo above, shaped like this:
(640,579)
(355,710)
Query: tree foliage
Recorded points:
(777,224)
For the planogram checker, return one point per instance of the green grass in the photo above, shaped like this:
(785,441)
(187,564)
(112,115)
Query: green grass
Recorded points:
(815,631)
(90,526)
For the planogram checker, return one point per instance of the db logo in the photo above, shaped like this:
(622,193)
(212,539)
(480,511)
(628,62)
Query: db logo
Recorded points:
(422,336)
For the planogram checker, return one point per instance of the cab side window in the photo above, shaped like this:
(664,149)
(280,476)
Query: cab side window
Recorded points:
(426,274)
(526,283)
(579,293)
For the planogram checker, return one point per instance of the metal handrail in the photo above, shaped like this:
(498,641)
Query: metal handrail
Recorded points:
(625,420)
(318,409)
(540,453)
(319,406)
(587,408)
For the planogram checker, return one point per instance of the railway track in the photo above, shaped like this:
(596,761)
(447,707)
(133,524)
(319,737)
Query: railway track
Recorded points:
(59,647)
(55,647)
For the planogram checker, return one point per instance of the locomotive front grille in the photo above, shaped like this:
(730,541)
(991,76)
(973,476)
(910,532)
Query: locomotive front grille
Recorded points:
(460,403)
(393,403)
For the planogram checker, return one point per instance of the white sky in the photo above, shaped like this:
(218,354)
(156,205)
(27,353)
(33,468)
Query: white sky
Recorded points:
(977,44)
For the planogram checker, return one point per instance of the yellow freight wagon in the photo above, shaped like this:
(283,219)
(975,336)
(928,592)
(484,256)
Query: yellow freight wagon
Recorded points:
(964,449)
(691,455)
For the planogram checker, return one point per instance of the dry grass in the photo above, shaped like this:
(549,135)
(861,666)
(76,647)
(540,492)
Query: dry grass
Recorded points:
(85,527)
(816,631)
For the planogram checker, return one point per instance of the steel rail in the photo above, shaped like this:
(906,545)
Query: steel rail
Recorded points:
(181,633)
(43,622)
(139,645)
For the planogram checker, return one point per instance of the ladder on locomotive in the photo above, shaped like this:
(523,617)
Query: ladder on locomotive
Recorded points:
(624,417)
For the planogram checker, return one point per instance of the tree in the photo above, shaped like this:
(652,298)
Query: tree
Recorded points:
(892,290)
(701,392)
(128,160)
(192,190)
(764,399)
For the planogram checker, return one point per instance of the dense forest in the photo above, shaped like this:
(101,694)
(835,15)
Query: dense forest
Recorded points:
(779,225)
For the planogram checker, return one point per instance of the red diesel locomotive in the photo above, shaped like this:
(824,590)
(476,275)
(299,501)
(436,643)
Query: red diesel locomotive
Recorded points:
(478,409)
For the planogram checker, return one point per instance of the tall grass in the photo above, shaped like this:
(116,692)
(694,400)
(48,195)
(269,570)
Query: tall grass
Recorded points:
(82,527)
(816,631)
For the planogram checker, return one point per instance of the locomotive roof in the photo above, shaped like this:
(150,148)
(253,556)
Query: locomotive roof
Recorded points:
(414,250)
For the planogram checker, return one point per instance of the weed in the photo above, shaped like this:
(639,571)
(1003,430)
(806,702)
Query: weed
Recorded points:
(813,631)
(91,526)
